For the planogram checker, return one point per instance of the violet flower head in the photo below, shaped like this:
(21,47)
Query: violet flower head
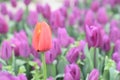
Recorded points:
(63,11)
(19,15)
(94,75)
(3,8)
(67,3)
(118,66)
(21,46)
(22,77)
(37,60)
(89,18)
(27,2)
(93,36)
(56,20)
(6,76)
(63,37)
(117,46)
(105,43)
(47,11)
(39,8)
(116,57)
(34,52)
(95,5)
(72,55)
(13,3)
(114,33)
(72,72)
(6,50)
(102,16)
(3,26)
(32,18)
(50,57)
(10,15)
(50,78)
(72,20)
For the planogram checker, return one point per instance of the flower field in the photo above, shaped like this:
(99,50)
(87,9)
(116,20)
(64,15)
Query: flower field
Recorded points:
(80,40)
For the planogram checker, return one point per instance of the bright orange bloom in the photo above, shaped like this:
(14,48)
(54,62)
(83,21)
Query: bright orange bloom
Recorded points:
(42,37)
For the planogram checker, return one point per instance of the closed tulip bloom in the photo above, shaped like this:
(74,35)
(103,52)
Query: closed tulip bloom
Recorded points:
(118,66)
(3,26)
(63,11)
(72,55)
(93,36)
(116,57)
(10,15)
(13,3)
(3,8)
(21,77)
(32,18)
(63,37)
(27,2)
(117,46)
(94,75)
(106,43)
(102,16)
(72,72)
(19,15)
(67,3)
(42,37)
(89,18)
(39,8)
(6,50)
(95,5)
(57,20)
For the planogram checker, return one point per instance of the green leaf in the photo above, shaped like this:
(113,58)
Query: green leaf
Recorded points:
(113,74)
(22,69)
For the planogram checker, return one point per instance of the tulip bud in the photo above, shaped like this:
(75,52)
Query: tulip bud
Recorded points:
(6,50)
(106,43)
(39,8)
(3,26)
(73,55)
(117,46)
(95,5)
(27,2)
(116,57)
(102,16)
(118,66)
(18,16)
(42,37)
(3,9)
(93,36)
(72,72)
(94,75)
(13,3)
(63,37)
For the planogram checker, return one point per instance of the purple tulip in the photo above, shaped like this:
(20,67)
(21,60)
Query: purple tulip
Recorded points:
(64,38)
(13,3)
(19,15)
(34,52)
(10,15)
(72,55)
(6,50)
(0,66)
(117,46)
(89,18)
(39,8)
(3,26)
(72,20)
(3,9)
(50,78)
(67,3)
(27,2)
(93,36)
(32,18)
(72,72)
(114,33)
(82,47)
(94,75)
(63,11)
(6,76)
(116,57)
(57,20)
(118,66)
(105,43)
(21,46)
(95,5)
(47,11)
(102,16)
(21,77)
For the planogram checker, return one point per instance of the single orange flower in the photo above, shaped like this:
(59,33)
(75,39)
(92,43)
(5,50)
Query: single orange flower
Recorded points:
(42,37)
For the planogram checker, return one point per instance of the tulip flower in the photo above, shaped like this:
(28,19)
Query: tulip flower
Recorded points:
(118,66)
(94,75)
(3,9)
(117,46)
(6,50)
(95,5)
(42,37)
(3,26)
(42,41)
(27,2)
(72,72)
(116,57)
(93,36)
(13,3)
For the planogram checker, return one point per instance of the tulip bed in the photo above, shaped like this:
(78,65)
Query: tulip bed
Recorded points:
(78,41)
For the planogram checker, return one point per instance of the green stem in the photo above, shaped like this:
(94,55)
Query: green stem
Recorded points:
(44,66)
(95,58)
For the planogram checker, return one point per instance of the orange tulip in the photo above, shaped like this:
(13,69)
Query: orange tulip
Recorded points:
(42,37)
